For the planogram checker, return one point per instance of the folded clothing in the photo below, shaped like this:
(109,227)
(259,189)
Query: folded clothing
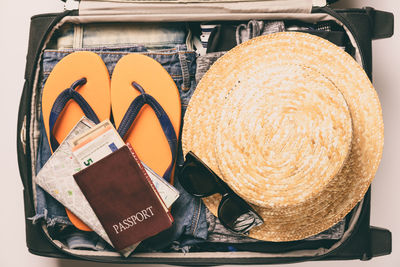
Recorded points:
(225,36)
(152,35)
(178,62)
(191,226)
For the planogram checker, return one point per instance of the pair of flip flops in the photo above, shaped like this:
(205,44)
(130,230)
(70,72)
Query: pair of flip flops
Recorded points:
(141,95)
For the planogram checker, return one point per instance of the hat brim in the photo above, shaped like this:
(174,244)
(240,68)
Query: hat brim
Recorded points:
(348,187)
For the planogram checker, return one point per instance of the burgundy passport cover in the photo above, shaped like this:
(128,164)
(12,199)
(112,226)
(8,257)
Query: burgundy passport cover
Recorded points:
(123,199)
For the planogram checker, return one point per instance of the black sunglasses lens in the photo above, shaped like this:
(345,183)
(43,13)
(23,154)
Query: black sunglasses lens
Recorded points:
(237,215)
(197,180)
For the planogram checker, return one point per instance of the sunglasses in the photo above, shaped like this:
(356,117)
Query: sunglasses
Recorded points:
(233,212)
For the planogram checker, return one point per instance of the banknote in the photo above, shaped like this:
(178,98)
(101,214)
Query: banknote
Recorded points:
(101,141)
(92,133)
(97,143)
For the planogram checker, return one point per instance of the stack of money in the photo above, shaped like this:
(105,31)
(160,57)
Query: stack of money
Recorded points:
(101,141)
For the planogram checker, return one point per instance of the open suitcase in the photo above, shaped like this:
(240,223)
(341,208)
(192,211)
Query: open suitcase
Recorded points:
(359,241)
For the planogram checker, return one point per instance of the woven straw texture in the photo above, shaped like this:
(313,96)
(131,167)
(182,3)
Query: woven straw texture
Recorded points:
(294,126)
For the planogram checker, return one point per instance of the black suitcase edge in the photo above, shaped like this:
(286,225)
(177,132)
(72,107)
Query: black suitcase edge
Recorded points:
(382,241)
(40,27)
(37,240)
(382,22)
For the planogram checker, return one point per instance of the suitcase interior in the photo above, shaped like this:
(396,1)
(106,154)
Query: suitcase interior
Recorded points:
(38,238)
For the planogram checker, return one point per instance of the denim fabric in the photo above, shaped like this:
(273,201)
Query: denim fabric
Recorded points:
(254,28)
(152,35)
(227,35)
(47,207)
(188,212)
(204,62)
(190,217)
(189,228)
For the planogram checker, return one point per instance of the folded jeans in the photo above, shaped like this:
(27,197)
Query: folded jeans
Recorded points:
(181,65)
(152,35)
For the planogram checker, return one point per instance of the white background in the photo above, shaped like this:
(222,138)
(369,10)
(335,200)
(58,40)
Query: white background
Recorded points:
(14,24)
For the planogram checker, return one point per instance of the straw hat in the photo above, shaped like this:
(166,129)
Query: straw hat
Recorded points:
(293,125)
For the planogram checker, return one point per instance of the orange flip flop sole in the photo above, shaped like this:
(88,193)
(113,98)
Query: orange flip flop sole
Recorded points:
(146,135)
(77,222)
(96,92)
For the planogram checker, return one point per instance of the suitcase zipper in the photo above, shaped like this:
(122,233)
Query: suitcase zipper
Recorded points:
(22,135)
(74,4)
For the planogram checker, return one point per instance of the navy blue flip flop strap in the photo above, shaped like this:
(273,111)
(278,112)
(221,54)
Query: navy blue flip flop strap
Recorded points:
(59,105)
(162,116)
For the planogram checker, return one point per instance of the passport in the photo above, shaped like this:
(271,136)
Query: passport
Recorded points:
(121,195)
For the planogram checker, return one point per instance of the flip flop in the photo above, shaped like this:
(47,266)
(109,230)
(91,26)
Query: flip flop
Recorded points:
(79,85)
(147,111)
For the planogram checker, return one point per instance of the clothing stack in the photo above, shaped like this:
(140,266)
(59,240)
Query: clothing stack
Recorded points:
(270,143)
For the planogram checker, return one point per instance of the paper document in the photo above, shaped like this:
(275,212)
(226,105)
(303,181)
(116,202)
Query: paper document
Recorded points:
(101,141)
(97,143)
